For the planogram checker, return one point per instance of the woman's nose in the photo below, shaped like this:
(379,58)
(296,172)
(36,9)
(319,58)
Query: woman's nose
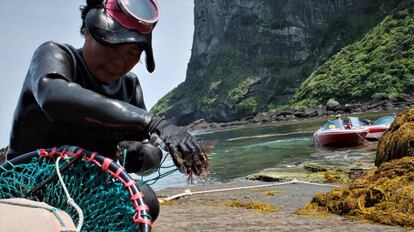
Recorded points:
(116,65)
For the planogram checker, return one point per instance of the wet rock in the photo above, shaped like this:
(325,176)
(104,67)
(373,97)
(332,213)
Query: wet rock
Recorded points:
(285,112)
(332,105)
(348,108)
(372,106)
(313,111)
(260,117)
(290,117)
(287,174)
(393,98)
(402,105)
(403,97)
(352,108)
(3,154)
(398,140)
(314,167)
(380,97)
(300,113)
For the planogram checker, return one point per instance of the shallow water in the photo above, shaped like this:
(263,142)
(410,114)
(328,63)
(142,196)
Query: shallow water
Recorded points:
(242,151)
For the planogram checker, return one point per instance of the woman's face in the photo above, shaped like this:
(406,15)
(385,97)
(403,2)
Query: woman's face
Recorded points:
(109,63)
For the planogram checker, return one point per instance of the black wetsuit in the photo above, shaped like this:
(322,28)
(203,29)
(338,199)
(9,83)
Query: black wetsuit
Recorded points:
(61,103)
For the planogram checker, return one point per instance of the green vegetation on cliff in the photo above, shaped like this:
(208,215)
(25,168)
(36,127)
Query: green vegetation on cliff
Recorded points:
(262,69)
(382,62)
(228,77)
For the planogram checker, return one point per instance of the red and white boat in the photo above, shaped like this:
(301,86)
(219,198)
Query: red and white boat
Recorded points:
(377,129)
(336,133)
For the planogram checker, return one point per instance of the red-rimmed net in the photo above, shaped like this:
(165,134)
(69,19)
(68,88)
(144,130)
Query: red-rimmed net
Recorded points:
(108,196)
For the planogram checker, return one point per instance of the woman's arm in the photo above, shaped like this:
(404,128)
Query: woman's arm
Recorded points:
(64,101)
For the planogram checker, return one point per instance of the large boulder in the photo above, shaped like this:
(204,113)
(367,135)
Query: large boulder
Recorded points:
(398,140)
(380,97)
(332,105)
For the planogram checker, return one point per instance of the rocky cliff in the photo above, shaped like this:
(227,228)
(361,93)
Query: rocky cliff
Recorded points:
(380,63)
(251,56)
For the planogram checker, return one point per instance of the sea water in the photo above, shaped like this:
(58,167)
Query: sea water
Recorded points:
(239,152)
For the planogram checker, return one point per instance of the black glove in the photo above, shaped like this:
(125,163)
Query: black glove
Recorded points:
(186,151)
(176,138)
(141,158)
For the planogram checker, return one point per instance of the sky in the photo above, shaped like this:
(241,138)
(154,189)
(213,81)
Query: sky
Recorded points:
(25,24)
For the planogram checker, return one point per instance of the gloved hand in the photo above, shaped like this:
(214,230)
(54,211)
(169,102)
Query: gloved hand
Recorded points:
(141,158)
(187,153)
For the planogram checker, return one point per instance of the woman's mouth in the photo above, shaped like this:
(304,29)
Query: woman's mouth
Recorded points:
(111,73)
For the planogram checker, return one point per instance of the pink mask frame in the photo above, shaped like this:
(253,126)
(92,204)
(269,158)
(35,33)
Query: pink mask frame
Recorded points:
(119,11)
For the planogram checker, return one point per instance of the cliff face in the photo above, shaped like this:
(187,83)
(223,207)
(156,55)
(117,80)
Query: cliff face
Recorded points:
(380,63)
(251,56)
(282,29)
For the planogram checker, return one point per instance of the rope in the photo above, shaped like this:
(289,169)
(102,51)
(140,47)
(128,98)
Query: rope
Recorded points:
(124,157)
(70,201)
(362,137)
(5,170)
(160,175)
(188,192)
(52,177)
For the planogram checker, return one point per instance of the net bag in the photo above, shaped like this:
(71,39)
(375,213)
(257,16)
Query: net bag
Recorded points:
(108,196)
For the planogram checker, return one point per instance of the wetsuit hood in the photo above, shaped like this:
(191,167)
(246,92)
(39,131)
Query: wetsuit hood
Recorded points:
(108,31)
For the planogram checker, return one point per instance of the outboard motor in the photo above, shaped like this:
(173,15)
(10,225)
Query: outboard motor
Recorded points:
(367,122)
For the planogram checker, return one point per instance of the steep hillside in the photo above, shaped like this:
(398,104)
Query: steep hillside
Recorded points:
(382,62)
(252,56)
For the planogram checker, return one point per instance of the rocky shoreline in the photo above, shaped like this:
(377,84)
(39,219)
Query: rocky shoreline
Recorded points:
(381,102)
(217,210)
(378,195)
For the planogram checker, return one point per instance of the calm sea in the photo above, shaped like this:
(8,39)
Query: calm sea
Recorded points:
(243,151)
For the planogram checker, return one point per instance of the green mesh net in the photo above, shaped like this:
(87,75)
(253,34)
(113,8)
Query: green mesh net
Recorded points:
(105,201)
